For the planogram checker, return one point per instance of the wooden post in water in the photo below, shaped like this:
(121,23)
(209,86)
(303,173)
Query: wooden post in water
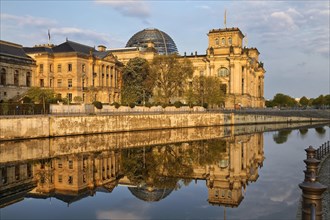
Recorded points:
(311,189)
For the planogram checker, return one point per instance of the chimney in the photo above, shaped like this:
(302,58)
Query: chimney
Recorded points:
(101,48)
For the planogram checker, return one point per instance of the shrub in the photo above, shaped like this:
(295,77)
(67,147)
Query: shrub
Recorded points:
(132,105)
(116,104)
(205,105)
(98,104)
(164,105)
(178,104)
(148,104)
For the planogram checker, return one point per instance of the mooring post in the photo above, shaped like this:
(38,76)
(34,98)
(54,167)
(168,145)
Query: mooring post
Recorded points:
(311,189)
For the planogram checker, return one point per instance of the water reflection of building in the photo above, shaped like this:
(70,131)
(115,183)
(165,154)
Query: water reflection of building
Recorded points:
(227,164)
(73,177)
(16,181)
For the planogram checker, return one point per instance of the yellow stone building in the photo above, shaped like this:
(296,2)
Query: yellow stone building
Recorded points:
(76,70)
(239,69)
(16,70)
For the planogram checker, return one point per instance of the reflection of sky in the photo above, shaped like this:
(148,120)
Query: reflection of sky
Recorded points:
(274,195)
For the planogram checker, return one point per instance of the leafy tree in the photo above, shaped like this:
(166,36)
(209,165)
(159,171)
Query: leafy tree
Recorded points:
(137,85)
(40,95)
(77,99)
(319,101)
(282,100)
(304,101)
(205,89)
(169,75)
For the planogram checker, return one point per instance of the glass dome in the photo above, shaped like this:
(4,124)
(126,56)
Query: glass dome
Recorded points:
(163,43)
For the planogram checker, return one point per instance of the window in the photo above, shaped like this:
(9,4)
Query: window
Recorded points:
(59,68)
(69,83)
(51,83)
(223,88)
(230,41)
(84,178)
(223,41)
(69,96)
(60,178)
(70,180)
(223,72)
(16,83)
(59,83)
(217,41)
(41,68)
(17,172)
(3,77)
(42,84)
(28,79)
(83,68)
(51,68)
(70,164)
(60,164)
(69,67)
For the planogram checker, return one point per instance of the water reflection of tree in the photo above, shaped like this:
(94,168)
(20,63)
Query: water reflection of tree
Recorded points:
(163,166)
(320,131)
(303,131)
(281,137)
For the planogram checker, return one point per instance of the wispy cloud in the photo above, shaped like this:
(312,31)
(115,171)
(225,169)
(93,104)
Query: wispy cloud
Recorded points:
(27,20)
(129,8)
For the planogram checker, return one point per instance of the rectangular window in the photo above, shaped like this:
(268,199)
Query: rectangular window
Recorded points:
(42,84)
(50,83)
(59,164)
(70,180)
(59,83)
(69,96)
(69,67)
(60,178)
(51,68)
(41,68)
(69,83)
(70,164)
(59,68)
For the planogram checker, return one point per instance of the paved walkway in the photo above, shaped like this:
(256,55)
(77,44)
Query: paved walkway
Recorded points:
(324,178)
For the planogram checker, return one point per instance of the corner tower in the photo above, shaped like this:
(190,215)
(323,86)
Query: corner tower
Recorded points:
(224,41)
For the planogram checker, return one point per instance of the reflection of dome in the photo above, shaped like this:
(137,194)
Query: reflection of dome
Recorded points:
(149,195)
(162,41)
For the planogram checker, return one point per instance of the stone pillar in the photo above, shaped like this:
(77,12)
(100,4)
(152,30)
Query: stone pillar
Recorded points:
(311,189)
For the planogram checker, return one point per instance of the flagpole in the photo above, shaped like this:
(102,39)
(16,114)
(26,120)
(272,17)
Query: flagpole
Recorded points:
(48,37)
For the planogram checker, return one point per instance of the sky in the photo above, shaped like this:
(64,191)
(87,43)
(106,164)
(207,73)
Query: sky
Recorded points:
(291,36)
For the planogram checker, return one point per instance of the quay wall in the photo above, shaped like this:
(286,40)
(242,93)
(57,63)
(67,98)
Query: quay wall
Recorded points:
(13,128)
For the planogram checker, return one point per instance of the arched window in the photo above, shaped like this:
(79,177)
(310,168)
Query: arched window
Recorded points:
(230,41)
(16,82)
(28,79)
(217,41)
(223,41)
(223,72)
(3,77)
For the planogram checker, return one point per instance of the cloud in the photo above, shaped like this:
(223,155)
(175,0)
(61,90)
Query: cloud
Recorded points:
(128,8)
(27,20)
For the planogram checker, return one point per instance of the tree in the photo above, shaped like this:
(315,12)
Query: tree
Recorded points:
(40,95)
(137,85)
(169,75)
(205,89)
(319,101)
(282,100)
(304,101)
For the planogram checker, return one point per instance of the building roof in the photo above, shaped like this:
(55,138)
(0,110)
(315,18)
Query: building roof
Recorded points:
(71,46)
(11,49)
(37,49)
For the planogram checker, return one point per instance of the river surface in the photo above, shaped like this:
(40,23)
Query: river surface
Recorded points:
(242,172)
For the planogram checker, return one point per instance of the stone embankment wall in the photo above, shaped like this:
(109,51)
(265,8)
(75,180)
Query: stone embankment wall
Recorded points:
(12,128)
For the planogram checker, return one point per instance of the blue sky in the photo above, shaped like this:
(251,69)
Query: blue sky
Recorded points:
(292,36)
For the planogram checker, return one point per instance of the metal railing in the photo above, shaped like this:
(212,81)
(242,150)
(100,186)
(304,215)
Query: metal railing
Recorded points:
(323,150)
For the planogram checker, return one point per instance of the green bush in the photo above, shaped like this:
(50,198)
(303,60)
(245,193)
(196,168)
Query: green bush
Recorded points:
(116,104)
(205,105)
(132,105)
(178,104)
(98,104)
(148,104)
(164,105)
